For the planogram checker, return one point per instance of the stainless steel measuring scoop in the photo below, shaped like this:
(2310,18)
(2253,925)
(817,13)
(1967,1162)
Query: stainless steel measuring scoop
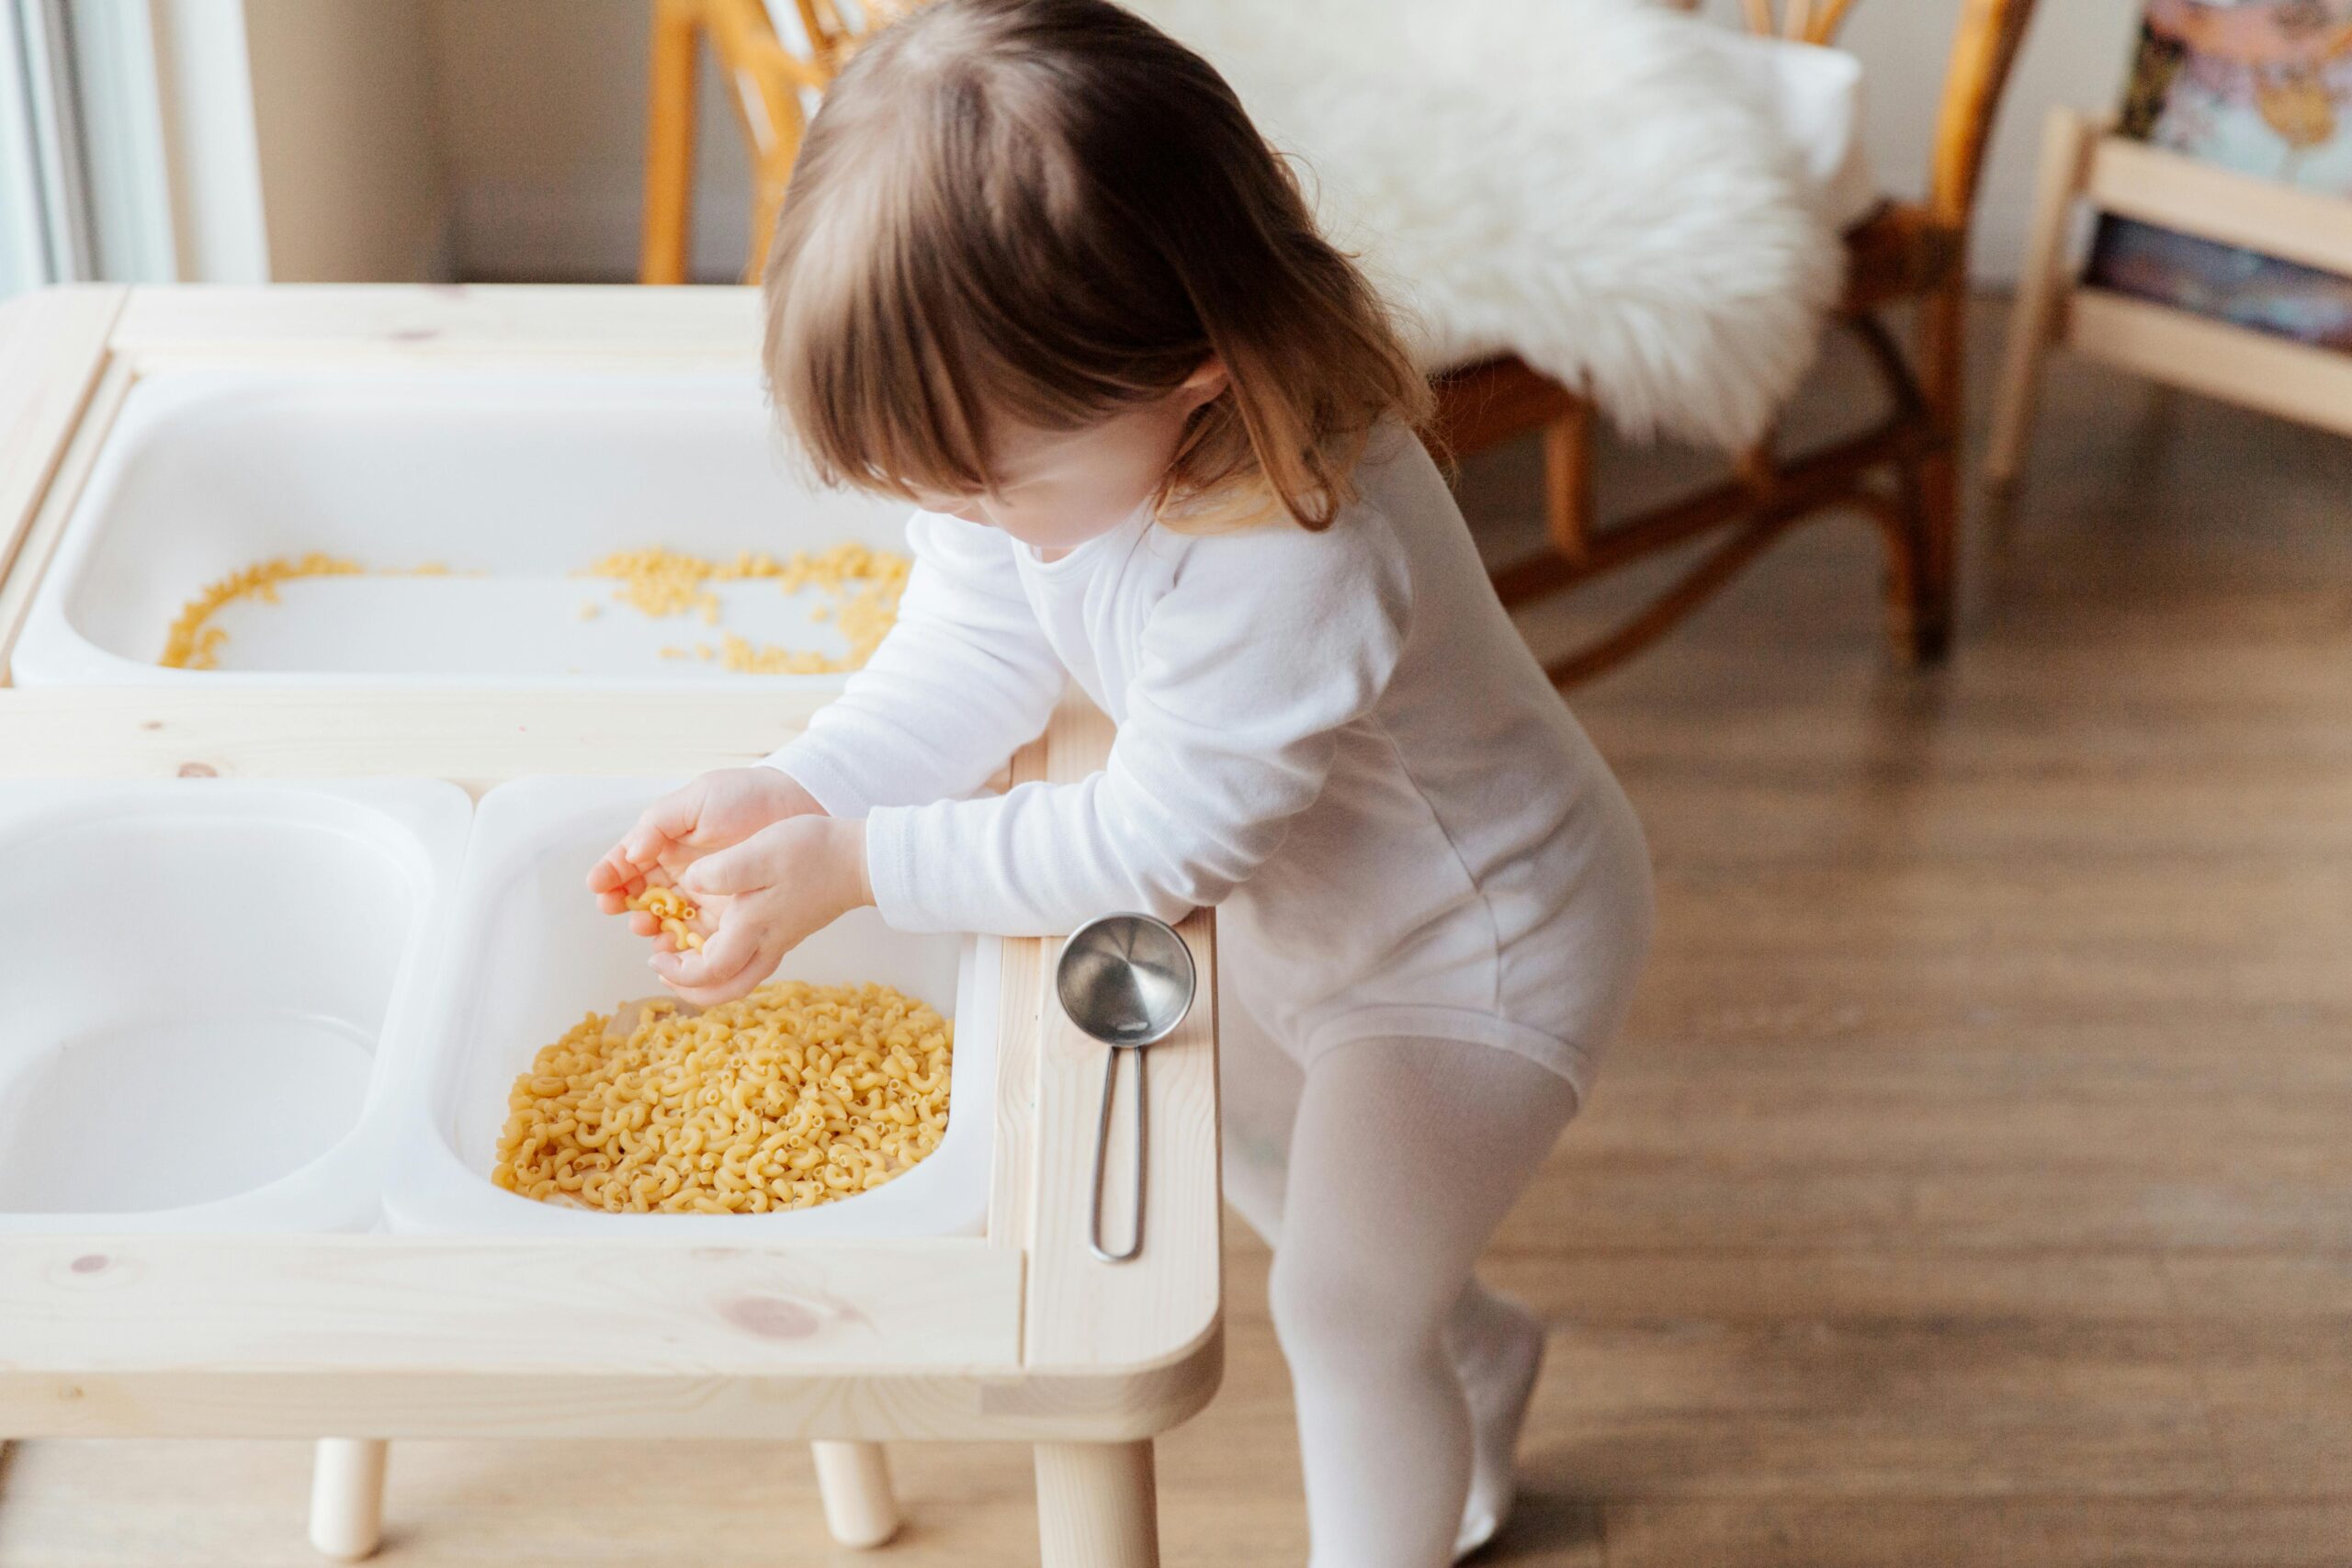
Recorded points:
(1126,980)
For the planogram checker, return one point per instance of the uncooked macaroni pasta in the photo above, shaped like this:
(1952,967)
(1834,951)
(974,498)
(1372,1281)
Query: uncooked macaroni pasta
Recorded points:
(191,644)
(794,1096)
(674,912)
(864,584)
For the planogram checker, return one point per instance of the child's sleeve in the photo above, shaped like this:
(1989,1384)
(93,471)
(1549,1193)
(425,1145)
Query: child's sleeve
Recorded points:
(1268,644)
(964,678)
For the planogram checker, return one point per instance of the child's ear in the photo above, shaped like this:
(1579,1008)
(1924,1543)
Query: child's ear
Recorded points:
(1206,381)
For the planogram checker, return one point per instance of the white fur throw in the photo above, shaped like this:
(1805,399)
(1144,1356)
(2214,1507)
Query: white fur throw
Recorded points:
(1583,183)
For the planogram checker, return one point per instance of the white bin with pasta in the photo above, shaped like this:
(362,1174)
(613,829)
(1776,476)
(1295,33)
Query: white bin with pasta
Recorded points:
(458,527)
(850,1097)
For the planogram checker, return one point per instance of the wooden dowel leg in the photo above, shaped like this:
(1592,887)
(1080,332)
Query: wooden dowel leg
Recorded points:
(1096,1505)
(347,1497)
(855,1480)
(2041,285)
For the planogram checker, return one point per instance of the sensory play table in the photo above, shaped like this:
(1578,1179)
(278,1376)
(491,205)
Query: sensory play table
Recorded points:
(1018,1334)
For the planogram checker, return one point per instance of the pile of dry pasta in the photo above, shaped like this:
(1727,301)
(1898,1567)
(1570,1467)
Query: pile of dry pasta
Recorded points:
(797,1095)
(866,585)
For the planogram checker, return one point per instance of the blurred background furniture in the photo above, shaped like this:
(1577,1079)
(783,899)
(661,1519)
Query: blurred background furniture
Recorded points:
(1901,472)
(2220,256)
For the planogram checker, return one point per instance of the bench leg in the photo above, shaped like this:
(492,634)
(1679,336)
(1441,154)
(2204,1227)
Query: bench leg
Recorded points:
(347,1497)
(2067,145)
(855,1480)
(1096,1506)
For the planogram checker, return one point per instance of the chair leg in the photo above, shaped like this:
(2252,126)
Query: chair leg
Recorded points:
(1568,482)
(855,1480)
(347,1497)
(669,145)
(1927,582)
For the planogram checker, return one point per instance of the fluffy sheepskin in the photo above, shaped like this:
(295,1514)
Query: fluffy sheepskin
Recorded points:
(1581,182)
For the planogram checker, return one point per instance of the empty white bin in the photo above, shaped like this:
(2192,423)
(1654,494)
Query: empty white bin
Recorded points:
(209,989)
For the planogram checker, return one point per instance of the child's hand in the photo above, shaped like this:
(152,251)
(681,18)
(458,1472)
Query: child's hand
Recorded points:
(777,888)
(715,811)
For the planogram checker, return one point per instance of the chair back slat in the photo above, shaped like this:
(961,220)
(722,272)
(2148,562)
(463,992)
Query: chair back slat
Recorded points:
(1803,21)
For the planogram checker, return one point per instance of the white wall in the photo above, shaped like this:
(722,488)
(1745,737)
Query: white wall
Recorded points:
(344,122)
(543,119)
(206,114)
(542,106)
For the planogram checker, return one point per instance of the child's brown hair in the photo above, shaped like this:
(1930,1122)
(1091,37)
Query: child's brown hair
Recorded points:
(1048,211)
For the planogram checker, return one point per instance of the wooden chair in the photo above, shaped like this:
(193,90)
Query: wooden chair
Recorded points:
(1902,473)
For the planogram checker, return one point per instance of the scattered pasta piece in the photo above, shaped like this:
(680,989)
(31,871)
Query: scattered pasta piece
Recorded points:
(793,1095)
(675,911)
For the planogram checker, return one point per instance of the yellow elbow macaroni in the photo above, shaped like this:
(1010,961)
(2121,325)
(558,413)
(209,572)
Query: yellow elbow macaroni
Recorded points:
(865,586)
(794,1096)
(673,910)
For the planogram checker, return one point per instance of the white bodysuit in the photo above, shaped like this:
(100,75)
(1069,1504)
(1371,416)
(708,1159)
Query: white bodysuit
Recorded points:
(1337,738)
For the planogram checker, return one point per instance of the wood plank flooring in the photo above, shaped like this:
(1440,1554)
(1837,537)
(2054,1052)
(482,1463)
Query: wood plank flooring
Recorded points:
(1973,1186)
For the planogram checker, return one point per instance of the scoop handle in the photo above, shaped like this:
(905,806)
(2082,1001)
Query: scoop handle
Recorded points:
(1102,1153)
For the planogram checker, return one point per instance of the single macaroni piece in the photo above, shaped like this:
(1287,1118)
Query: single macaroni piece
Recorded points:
(793,1095)
(675,912)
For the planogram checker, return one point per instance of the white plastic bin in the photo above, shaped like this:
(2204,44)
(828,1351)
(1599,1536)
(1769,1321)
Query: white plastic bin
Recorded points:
(515,480)
(530,955)
(208,989)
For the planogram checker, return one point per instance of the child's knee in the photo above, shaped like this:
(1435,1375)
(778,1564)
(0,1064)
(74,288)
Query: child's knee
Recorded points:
(1344,1305)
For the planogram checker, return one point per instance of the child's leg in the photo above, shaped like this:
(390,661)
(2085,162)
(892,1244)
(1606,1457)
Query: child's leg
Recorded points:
(1497,1344)
(1406,1155)
(1259,1085)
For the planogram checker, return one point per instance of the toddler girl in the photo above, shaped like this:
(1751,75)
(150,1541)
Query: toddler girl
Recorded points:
(1040,276)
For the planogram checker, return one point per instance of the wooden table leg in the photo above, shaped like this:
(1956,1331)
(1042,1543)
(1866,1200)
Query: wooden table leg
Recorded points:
(855,1480)
(347,1497)
(1096,1505)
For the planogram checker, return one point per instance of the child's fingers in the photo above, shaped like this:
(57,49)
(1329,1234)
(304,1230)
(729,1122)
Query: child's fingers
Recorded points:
(745,868)
(718,959)
(673,819)
(743,983)
(613,874)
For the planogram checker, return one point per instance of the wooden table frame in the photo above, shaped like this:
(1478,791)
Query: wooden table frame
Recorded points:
(1017,1336)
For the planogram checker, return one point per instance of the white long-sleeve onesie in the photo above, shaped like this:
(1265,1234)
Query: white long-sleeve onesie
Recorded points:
(1338,738)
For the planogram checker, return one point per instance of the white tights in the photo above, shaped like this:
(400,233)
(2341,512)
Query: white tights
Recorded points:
(1378,1176)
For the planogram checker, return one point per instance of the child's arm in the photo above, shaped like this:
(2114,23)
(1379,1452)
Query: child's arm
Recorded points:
(1270,644)
(964,678)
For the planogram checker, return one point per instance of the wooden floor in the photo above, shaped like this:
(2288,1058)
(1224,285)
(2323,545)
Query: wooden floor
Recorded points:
(1974,1186)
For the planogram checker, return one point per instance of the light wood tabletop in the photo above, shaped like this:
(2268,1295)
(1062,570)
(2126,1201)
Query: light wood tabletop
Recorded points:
(1019,1336)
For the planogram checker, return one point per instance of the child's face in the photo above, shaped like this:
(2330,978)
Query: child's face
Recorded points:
(1055,490)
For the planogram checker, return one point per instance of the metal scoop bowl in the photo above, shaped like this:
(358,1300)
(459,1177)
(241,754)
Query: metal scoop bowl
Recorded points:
(1126,980)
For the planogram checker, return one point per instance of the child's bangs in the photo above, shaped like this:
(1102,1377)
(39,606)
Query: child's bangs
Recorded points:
(888,375)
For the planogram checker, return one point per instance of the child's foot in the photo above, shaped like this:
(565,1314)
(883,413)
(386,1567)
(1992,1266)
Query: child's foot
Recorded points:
(1497,1348)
